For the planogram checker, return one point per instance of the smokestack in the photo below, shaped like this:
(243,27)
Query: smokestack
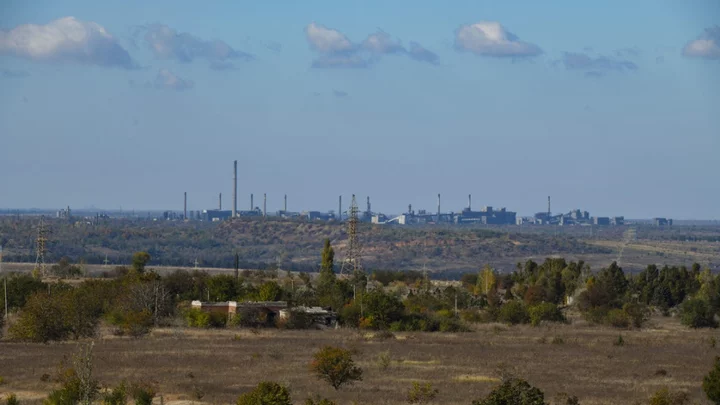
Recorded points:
(234,209)
(252,204)
(285,204)
(220,202)
(339,216)
(549,212)
(469,202)
(185,208)
(410,209)
(369,211)
(438,217)
(264,204)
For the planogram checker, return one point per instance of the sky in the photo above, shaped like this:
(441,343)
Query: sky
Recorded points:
(611,107)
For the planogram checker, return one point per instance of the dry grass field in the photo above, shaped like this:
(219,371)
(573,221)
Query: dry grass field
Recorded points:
(578,359)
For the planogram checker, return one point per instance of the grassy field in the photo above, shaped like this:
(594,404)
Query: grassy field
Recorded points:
(577,359)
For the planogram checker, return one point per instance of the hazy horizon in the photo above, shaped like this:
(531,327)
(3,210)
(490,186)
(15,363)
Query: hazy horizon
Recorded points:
(607,107)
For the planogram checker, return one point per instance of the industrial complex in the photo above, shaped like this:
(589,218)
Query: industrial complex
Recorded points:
(485,215)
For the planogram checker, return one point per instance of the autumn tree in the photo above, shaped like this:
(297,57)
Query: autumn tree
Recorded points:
(140,260)
(336,366)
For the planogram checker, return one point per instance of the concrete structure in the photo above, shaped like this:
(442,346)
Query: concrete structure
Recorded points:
(662,222)
(216,215)
(234,207)
(314,316)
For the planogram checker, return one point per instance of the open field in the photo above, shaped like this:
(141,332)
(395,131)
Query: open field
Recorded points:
(225,363)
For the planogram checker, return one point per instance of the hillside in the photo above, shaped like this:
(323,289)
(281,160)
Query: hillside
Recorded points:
(290,244)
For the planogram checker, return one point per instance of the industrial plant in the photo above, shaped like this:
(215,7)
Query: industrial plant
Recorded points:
(486,215)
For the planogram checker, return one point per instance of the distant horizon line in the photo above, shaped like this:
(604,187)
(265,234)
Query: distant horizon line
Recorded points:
(94,210)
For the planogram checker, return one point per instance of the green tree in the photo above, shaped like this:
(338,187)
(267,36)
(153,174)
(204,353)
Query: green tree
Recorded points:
(486,281)
(336,366)
(266,393)
(696,313)
(140,260)
(513,312)
(40,320)
(513,391)
(711,383)
(269,291)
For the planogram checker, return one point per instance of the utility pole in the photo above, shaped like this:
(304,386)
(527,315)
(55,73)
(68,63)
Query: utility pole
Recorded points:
(4,278)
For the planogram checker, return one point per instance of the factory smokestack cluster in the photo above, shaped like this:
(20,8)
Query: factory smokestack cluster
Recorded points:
(234,209)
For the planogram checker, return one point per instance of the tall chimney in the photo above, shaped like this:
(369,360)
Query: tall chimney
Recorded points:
(339,215)
(185,208)
(252,204)
(549,212)
(234,209)
(264,204)
(285,204)
(220,202)
(369,211)
(438,216)
(410,209)
(469,202)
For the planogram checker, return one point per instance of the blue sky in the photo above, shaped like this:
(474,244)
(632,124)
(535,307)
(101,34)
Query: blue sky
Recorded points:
(612,107)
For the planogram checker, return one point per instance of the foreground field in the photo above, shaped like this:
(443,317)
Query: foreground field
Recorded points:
(577,359)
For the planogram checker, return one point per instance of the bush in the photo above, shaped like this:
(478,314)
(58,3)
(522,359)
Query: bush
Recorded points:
(116,396)
(197,318)
(696,313)
(711,383)
(11,399)
(545,311)
(266,393)
(336,366)
(318,401)
(143,394)
(513,313)
(513,391)
(421,393)
(384,360)
(637,313)
(617,318)
(619,341)
(665,397)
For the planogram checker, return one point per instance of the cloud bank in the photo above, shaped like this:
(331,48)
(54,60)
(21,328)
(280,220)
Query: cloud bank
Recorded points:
(66,40)
(706,46)
(167,43)
(595,67)
(490,38)
(336,50)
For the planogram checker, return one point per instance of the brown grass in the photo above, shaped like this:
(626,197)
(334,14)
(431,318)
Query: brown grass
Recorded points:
(225,363)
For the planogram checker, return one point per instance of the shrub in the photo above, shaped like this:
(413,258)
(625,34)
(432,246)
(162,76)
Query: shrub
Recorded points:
(318,401)
(116,396)
(665,397)
(545,311)
(196,318)
(711,383)
(619,341)
(637,313)
(266,393)
(143,394)
(557,341)
(421,393)
(696,313)
(513,391)
(384,360)
(11,399)
(513,313)
(336,366)
(617,318)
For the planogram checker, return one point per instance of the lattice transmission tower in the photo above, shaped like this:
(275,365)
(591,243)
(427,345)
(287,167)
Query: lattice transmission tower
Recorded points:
(41,247)
(351,264)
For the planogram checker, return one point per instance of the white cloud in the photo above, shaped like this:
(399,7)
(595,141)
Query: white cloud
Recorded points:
(327,40)
(382,43)
(489,38)
(167,43)
(336,50)
(66,40)
(166,79)
(706,46)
